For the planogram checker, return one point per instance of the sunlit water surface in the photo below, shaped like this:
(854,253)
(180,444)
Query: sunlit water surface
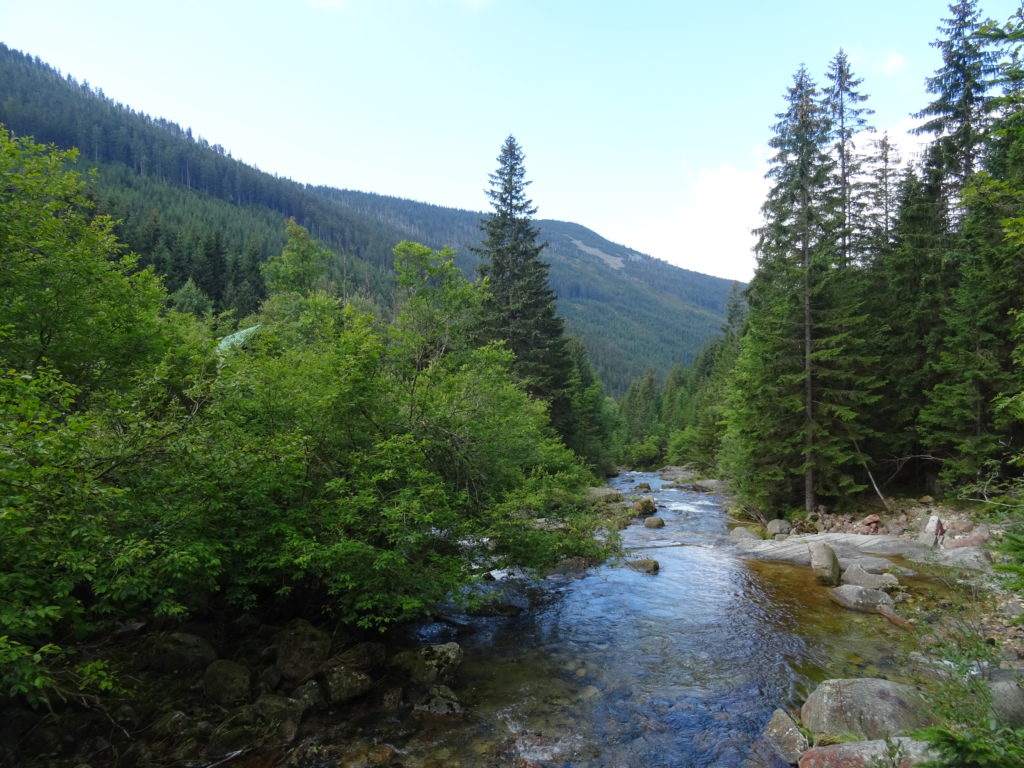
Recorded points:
(680,669)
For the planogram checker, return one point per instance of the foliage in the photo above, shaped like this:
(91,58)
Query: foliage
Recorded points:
(367,468)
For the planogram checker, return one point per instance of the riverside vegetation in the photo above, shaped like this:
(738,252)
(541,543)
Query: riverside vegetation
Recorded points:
(366,447)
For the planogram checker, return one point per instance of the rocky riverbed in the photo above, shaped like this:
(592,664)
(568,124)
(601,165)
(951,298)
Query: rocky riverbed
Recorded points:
(704,645)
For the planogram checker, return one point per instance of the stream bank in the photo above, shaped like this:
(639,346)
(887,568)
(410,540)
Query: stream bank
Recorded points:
(601,666)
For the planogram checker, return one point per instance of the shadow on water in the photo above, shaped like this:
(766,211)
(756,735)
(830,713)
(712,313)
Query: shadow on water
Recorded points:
(679,669)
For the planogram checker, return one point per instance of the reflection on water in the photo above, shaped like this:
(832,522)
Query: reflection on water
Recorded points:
(679,669)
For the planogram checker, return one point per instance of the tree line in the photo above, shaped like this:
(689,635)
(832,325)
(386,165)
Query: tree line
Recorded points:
(877,346)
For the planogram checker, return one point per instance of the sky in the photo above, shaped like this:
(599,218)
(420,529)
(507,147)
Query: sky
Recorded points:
(647,121)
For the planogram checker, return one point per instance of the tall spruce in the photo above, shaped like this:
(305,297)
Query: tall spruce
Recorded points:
(797,401)
(958,115)
(520,307)
(847,117)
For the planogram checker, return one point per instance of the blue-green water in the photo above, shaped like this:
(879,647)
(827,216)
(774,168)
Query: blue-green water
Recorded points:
(680,669)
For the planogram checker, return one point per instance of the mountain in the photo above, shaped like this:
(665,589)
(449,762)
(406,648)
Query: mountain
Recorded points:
(191,210)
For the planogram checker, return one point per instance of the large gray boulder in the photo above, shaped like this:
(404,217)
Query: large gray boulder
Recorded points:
(778,526)
(868,754)
(824,564)
(867,708)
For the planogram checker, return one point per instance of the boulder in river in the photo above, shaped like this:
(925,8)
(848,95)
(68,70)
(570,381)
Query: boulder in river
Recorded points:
(645,565)
(865,600)
(654,522)
(824,564)
(788,739)
(709,485)
(868,708)
(857,576)
(742,532)
(431,663)
(439,701)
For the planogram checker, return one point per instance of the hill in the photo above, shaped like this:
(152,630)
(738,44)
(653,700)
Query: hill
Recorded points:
(190,209)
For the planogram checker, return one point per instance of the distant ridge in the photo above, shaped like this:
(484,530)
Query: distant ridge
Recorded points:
(192,210)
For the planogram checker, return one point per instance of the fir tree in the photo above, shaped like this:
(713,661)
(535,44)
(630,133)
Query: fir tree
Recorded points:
(520,308)
(797,403)
(958,115)
(847,119)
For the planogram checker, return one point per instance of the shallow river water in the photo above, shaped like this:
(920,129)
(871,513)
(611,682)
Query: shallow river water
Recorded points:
(679,669)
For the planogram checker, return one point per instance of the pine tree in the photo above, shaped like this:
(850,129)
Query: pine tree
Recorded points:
(520,308)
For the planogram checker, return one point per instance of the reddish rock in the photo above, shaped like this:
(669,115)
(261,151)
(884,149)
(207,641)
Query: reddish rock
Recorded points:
(866,754)
(871,520)
(967,541)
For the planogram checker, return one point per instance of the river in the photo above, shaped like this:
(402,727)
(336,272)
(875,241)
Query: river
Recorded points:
(681,669)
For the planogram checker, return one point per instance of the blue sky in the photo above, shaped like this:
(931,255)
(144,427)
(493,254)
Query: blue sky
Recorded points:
(645,120)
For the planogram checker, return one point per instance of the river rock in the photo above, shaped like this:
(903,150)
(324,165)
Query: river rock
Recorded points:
(228,683)
(709,485)
(742,532)
(645,565)
(868,754)
(867,708)
(645,507)
(857,576)
(1008,700)
(301,650)
(824,564)
(786,736)
(972,558)
(431,663)
(933,532)
(342,683)
(643,487)
(865,600)
(777,526)
(654,522)
(603,495)
(440,700)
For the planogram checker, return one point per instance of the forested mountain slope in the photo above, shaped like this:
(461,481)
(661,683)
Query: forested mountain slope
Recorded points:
(191,210)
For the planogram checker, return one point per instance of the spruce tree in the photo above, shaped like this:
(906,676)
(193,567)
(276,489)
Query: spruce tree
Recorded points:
(847,118)
(797,401)
(520,307)
(958,115)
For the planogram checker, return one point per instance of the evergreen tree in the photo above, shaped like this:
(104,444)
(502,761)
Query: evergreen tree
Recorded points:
(520,309)
(847,119)
(798,398)
(958,115)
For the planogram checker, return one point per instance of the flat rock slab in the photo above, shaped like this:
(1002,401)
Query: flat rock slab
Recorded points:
(853,546)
